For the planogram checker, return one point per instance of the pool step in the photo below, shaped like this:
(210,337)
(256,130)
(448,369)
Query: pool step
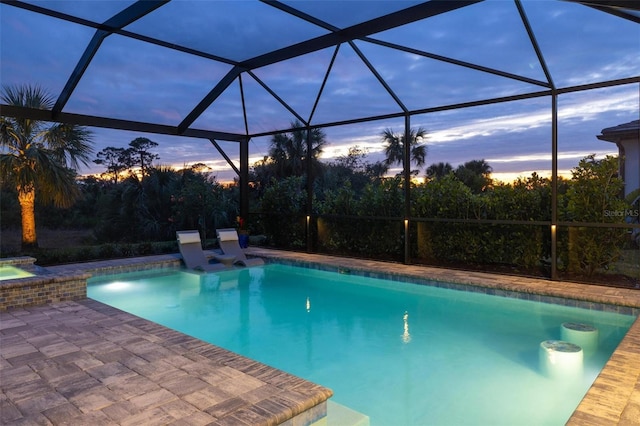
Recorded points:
(339,415)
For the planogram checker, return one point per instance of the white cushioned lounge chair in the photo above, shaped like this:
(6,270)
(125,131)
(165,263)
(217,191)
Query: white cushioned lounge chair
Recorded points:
(229,244)
(192,254)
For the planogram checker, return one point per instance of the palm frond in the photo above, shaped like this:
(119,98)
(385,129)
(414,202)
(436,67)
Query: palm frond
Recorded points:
(395,143)
(71,145)
(30,96)
(55,183)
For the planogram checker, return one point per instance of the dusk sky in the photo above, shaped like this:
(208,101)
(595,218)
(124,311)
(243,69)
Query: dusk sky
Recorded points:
(133,80)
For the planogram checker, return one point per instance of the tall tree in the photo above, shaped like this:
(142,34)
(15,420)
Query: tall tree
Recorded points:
(138,154)
(476,174)
(395,142)
(115,161)
(350,168)
(376,171)
(439,170)
(288,150)
(595,195)
(353,160)
(39,158)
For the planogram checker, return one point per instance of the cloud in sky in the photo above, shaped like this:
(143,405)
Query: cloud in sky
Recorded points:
(134,80)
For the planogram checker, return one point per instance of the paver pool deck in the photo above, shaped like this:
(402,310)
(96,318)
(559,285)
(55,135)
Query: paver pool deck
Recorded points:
(82,362)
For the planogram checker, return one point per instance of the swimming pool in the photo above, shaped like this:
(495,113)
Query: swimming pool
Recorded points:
(9,272)
(397,352)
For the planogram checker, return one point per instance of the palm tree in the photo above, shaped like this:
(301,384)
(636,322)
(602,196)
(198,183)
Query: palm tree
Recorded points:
(439,170)
(39,158)
(394,149)
(376,171)
(476,174)
(289,150)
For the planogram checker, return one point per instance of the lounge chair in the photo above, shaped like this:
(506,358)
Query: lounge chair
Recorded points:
(192,254)
(228,240)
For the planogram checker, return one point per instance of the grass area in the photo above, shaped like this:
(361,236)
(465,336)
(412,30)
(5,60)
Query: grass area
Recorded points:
(10,239)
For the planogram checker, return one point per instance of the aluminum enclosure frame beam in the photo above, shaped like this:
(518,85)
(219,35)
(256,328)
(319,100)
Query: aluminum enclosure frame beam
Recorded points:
(524,96)
(617,8)
(376,25)
(625,9)
(118,21)
(113,123)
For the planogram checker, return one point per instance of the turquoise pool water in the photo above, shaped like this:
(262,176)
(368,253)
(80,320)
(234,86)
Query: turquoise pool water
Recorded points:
(401,353)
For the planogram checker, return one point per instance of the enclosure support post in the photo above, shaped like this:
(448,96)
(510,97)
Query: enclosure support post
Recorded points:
(310,178)
(554,184)
(244,178)
(406,165)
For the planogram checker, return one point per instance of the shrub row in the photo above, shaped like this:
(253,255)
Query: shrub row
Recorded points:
(46,257)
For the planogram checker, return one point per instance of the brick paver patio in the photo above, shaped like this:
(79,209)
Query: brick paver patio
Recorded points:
(82,362)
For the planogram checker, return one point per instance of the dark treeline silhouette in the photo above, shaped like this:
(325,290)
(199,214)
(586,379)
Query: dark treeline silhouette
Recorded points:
(460,215)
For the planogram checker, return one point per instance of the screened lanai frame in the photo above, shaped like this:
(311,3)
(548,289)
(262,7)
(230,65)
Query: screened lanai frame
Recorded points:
(332,37)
